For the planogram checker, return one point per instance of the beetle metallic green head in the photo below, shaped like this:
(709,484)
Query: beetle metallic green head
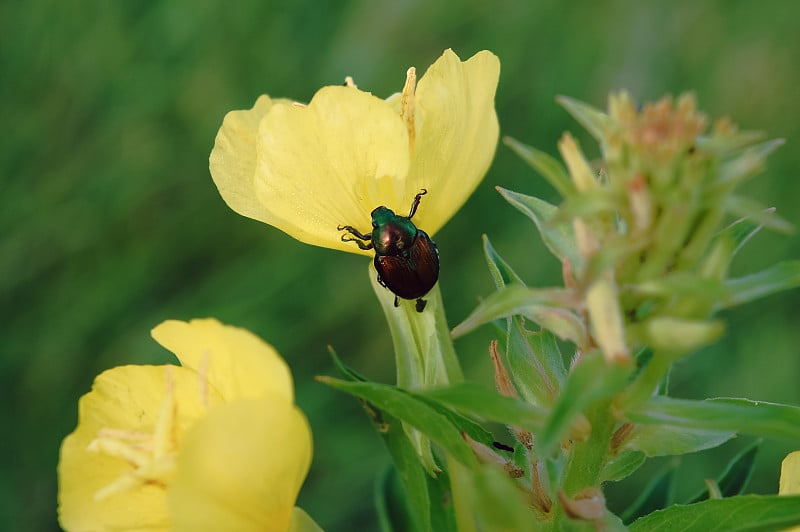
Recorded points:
(406,259)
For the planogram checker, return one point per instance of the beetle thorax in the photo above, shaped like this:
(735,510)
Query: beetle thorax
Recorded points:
(392,234)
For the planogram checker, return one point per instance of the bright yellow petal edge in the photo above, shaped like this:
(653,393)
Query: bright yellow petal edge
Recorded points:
(206,423)
(790,479)
(308,169)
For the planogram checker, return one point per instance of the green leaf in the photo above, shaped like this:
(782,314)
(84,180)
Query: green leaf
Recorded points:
(745,207)
(656,495)
(462,423)
(741,415)
(410,471)
(736,476)
(501,272)
(559,238)
(622,466)
(724,145)
(750,513)
(346,370)
(385,502)
(413,411)
(478,402)
(777,278)
(490,500)
(740,232)
(590,380)
(595,121)
(549,167)
(747,164)
(531,302)
(664,440)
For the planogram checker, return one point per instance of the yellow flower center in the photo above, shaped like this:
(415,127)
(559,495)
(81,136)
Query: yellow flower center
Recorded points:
(151,455)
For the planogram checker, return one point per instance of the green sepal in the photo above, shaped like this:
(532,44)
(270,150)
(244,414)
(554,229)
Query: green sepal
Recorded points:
(478,402)
(412,411)
(758,418)
(595,121)
(764,513)
(658,494)
(776,278)
(559,238)
(734,479)
(591,379)
(548,166)
(674,337)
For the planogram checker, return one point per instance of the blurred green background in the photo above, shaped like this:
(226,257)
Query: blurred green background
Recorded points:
(110,222)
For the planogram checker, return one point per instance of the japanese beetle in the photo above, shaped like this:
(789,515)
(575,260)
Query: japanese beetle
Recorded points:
(406,258)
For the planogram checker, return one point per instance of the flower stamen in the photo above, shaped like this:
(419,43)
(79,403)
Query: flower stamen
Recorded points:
(151,456)
(407,106)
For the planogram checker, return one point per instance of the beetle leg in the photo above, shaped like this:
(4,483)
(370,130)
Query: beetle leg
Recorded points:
(396,302)
(421,304)
(380,282)
(415,204)
(359,243)
(353,231)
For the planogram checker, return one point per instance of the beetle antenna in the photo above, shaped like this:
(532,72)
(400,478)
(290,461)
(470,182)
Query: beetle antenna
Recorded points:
(415,204)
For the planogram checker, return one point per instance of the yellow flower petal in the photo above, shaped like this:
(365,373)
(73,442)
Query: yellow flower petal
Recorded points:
(313,168)
(790,474)
(457,132)
(241,467)
(302,522)
(330,163)
(124,398)
(233,160)
(236,363)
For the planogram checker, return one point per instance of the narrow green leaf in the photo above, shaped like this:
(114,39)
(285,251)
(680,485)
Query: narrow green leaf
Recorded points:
(409,470)
(590,380)
(656,495)
(461,422)
(559,238)
(747,164)
(740,415)
(549,167)
(411,410)
(346,370)
(762,513)
(664,440)
(724,145)
(476,401)
(382,496)
(510,300)
(595,121)
(622,466)
(492,500)
(501,272)
(736,476)
(748,208)
(776,278)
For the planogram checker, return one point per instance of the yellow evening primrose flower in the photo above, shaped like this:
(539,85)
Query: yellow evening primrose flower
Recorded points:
(790,479)
(214,444)
(307,169)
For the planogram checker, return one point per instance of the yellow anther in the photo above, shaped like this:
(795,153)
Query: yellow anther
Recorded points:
(348,82)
